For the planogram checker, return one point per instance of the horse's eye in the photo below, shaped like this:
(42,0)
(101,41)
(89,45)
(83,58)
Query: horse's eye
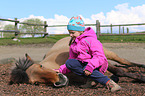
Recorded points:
(36,83)
(40,65)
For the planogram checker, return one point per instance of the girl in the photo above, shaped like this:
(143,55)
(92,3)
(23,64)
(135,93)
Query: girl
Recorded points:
(86,55)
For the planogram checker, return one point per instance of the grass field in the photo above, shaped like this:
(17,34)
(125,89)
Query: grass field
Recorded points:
(55,38)
(123,39)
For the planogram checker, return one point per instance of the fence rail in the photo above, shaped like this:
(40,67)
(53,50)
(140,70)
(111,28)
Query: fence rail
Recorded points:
(97,25)
(9,20)
(10,31)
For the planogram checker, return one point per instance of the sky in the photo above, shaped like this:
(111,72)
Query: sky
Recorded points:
(58,12)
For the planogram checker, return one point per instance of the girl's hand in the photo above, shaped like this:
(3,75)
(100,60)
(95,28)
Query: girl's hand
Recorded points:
(87,73)
(57,70)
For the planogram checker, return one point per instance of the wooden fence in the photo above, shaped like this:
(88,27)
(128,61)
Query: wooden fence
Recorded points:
(97,25)
(17,32)
(98,28)
(120,25)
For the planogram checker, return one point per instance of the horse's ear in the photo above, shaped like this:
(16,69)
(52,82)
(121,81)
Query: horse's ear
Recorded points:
(28,57)
(44,57)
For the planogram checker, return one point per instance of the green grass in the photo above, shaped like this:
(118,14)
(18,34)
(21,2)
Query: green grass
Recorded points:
(55,38)
(38,40)
(123,39)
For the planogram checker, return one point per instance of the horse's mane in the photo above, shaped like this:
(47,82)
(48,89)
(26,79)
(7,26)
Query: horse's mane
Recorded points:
(18,74)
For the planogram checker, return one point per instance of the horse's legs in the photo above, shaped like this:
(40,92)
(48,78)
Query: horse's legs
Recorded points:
(122,73)
(112,56)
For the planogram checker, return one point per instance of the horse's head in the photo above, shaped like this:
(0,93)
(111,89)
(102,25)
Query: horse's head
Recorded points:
(26,71)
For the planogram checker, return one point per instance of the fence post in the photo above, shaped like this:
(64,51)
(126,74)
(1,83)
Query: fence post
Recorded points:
(127,30)
(16,28)
(111,28)
(45,28)
(98,28)
(123,30)
(119,29)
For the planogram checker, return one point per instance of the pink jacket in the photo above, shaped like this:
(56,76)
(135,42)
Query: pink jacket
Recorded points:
(87,48)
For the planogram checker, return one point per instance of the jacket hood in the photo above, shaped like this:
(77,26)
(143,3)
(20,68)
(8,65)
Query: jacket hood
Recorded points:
(89,32)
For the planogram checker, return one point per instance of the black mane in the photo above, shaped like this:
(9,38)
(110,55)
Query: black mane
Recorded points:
(18,74)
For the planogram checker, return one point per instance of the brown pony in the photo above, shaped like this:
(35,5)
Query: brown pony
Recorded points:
(26,71)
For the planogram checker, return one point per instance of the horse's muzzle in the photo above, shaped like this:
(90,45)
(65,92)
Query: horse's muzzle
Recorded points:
(63,81)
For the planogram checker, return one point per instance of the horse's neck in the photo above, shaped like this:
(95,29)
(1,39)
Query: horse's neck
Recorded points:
(57,55)
(55,59)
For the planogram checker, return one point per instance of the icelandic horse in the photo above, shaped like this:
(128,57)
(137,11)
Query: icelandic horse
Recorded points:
(27,71)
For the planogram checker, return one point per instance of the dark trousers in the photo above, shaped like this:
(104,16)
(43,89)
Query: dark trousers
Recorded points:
(77,67)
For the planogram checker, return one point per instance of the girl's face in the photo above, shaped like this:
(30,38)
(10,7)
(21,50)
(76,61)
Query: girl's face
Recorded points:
(74,34)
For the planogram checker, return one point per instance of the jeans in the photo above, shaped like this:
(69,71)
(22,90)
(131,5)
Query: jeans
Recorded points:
(77,67)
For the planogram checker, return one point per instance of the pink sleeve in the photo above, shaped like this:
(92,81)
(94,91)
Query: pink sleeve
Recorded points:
(63,69)
(98,56)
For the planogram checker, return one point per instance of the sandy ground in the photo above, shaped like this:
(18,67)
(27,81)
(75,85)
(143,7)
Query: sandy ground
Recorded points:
(35,51)
(134,52)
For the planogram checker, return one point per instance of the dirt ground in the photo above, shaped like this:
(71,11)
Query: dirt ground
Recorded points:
(134,52)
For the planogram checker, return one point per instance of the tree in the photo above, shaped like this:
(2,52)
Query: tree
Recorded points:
(8,27)
(30,28)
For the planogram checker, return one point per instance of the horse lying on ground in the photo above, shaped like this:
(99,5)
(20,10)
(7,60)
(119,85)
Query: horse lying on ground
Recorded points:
(26,71)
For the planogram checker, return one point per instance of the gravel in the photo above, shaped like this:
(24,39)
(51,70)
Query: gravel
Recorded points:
(129,86)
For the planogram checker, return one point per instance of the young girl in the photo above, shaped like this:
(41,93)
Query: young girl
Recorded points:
(86,55)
